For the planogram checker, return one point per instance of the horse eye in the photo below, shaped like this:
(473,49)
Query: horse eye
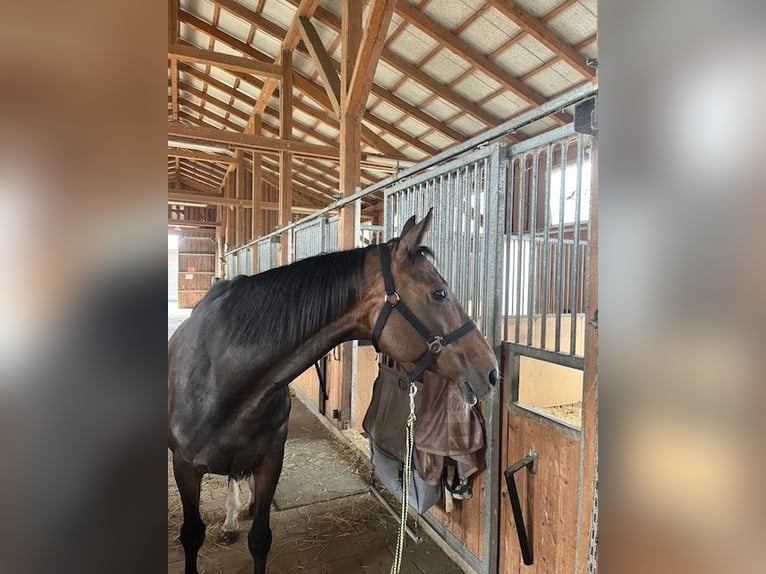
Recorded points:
(439,294)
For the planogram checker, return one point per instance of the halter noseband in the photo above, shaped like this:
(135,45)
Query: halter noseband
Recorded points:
(436,343)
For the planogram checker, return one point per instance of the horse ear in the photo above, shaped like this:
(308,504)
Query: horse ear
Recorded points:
(412,236)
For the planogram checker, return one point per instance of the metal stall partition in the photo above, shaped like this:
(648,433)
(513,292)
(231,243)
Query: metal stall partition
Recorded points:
(243,262)
(308,239)
(545,282)
(231,265)
(466,195)
(268,253)
(330,236)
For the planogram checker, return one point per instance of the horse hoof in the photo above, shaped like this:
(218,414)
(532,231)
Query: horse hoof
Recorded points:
(229,537)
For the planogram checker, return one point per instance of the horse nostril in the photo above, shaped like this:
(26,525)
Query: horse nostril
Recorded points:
(493,377)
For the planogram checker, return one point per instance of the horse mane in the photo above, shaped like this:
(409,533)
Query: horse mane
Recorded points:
(287,304)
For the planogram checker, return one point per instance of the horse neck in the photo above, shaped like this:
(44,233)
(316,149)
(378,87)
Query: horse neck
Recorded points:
(351,324)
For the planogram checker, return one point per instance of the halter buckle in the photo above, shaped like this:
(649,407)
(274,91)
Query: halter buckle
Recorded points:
(435,344)
(392,299)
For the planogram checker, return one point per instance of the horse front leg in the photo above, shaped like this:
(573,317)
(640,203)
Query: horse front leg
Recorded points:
(193,529)
(264,483)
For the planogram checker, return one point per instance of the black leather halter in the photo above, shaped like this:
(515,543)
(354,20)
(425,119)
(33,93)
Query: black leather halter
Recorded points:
(436,343)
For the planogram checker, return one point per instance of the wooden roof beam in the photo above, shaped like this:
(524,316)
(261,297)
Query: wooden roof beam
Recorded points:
(250,142)
(197,169)
(192,223)
(175,195)
(416,75)
(464,50)
(184,103)
(187,172)
(303,84)
(202,168)
(211,169)
(322,61)
(200,156)
(373,39)
(536,28)
(226,61)
(305,9)
(196,185)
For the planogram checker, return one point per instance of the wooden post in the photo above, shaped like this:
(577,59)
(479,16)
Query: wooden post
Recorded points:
(240,194)
(257,221)
(219,243)
(350,177)
(285,157)
(257,199)
(589,442)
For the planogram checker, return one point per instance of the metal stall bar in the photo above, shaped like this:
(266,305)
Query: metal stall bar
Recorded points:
(520,242)
(532,267)
(576,252)
(546,246)
(560,254)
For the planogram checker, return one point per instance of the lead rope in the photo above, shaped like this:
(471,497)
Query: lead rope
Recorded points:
(406,482)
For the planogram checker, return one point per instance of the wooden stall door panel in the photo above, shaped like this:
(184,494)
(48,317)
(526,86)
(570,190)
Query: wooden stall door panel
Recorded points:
(467,518)
(556,486)
(308,384)
(366,372)
(196,266)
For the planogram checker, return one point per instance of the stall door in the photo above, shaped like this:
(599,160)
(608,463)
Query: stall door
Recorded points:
(549,360)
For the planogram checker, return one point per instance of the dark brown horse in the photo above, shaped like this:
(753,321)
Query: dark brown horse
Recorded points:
(230,363)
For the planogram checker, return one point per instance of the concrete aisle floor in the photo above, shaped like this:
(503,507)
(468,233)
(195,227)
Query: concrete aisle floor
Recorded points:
(348,535)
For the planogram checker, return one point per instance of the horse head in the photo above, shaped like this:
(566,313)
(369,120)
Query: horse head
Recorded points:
(416,319)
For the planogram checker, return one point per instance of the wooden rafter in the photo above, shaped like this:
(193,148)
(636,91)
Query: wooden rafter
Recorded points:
(251,142)
(301,83)
(480,61)
(226,61)
(417,75)
(536,28)
(305,9)
(378,20)
(322,61)
(309,88)
(201,156)
(175,196)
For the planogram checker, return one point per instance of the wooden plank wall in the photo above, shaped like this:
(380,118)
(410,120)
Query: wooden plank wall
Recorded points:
(366,372)
(197,249)
(556,489)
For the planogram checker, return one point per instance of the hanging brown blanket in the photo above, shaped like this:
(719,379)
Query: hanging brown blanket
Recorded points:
(445,427)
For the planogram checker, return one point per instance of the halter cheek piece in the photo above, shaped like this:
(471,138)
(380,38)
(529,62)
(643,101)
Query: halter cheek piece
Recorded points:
(435,343)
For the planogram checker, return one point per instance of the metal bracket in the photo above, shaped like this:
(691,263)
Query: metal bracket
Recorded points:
(585,119)
(530,463)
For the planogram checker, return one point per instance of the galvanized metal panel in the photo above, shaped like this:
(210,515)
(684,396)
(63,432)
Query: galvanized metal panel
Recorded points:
(546,240)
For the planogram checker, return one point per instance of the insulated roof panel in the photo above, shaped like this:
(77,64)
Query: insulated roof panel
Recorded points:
(232,25)
(549,82)
(477,86)
(202,9)
(574,25)
(278,11)
(518,60)
(450,13)
(538,7)
(444,68)
(490,31)
(441,110)
(412,45)
(413,92)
